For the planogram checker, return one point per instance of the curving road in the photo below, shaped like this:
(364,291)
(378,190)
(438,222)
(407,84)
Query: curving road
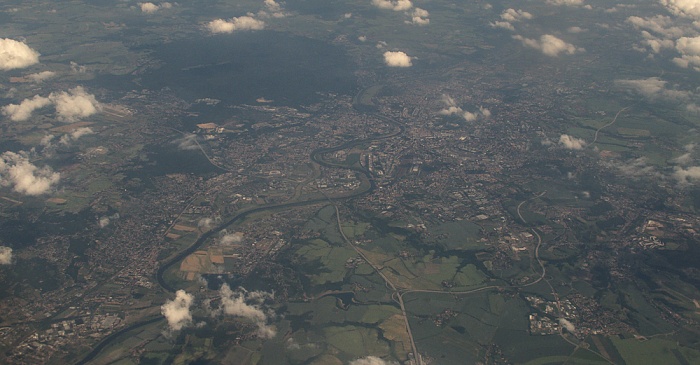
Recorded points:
(595,138)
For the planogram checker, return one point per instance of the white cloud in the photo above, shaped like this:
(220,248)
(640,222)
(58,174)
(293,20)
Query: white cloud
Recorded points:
(453,109)
(68,138)
(40,76)
(372,360)
(46,140)
(638,168)
(5,255)
(106,220)
(23,111)
(397,59)
(504,25)
(362,38)
(205,223)
(683,8)
(687,176)
(510,16)
(77,69)
(248,305)
(575,30)
(148,8)
(565,2)
(677,32)
(18,172)
(549,45)
(245,22)
(571,143)
(470,117)
(70,106)
(419,17)
(683,159)
(231,238)
(689,48)
(15,54)
(565,323)
(74,104)
(654,88)
(177,311)
(187,143)
(273,6)
(659,24)
(395,5)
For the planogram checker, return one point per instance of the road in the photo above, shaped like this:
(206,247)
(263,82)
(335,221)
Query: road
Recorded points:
(595,138)
(396,295)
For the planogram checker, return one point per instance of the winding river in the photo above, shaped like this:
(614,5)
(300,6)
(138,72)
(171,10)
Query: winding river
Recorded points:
(316,157)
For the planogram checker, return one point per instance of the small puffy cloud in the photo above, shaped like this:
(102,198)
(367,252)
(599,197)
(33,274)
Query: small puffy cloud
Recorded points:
(148,8)
(571,143)
(106,220)
(5,255)
(205,223)
(76,68)
(575,30)
(654,88)
(395,5)
(659,24)
(451,108)
(501,24)
(683,159)
(565,323)
(638,168)
(187,143)
(40,76)
(372,360)
(689,48)
(231,238)
(273,6)
(17,171)
(419,17)
(397,59)
(245,22)
(273,9)
(565,2)
(687,175)
(74,104)
(177,311)
(510,16)
(68,138)
(549,45)
(46,140)
(482,113)
(15,54)
(362,38)
(248,305)
(23,111)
